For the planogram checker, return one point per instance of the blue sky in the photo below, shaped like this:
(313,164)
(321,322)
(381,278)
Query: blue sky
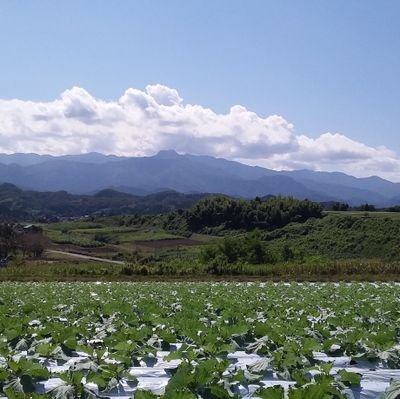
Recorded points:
(324,66)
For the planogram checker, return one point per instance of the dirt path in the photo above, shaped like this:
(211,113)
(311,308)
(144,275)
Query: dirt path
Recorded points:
(87,257)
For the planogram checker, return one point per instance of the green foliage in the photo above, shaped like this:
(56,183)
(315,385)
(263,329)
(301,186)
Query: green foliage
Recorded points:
(116,326)
(287,253)
(350,379)
(271,393)
(341,236)
(339,206)
(249,248)
(323,390)
(140,394)
(13,238)
(367,208)
(17,204)
(8,239)
(232,214)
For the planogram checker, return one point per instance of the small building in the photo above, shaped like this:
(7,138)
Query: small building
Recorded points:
(31,228)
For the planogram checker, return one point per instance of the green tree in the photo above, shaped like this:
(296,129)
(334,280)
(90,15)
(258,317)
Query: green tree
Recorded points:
(8,240)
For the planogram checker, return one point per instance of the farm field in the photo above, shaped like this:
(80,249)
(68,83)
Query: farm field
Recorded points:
(106,239)
(199,340)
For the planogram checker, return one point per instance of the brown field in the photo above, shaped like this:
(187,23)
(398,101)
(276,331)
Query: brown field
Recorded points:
(76,248)
(168,243)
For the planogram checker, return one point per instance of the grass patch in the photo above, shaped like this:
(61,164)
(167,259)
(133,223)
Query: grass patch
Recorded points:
(312,270)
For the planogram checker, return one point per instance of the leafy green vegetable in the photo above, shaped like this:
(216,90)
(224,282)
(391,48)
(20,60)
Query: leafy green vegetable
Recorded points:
(350,379)
(198,331)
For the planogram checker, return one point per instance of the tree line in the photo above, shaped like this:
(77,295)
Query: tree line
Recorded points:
(236,214)
(14,238)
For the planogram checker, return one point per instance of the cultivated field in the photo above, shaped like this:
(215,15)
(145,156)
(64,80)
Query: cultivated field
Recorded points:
(199,340)
(107,239)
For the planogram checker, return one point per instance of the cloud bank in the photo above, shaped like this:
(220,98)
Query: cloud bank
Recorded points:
(142,122)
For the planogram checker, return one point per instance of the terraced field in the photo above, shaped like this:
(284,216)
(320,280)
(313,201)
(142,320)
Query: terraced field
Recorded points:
(199,340)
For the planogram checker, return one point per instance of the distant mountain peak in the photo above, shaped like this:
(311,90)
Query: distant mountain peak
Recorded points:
(167,154)
(9,187)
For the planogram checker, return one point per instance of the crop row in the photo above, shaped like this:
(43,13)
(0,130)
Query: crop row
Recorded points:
(93,339)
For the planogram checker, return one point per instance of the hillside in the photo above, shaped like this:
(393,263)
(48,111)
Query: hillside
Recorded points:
(18,204)
(342,236)
(167,170)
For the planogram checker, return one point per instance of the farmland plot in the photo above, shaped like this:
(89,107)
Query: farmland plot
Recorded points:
(199,340)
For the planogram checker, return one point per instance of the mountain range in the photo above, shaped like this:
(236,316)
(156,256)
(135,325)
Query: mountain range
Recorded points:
(17,204)
(168,170)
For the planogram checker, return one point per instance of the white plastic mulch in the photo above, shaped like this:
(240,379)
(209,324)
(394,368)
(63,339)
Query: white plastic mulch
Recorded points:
(155,377)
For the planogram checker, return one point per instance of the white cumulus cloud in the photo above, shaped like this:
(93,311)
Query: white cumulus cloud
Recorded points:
(142,122)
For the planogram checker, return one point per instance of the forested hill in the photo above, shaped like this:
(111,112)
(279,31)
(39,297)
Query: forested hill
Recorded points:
(221,214)
(17,204)
(193,212)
